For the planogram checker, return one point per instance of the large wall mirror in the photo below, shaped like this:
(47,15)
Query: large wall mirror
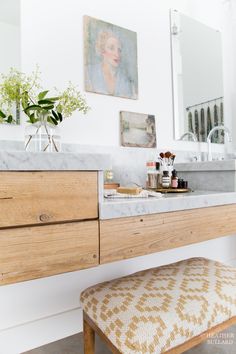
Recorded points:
(10,39)
(197,79)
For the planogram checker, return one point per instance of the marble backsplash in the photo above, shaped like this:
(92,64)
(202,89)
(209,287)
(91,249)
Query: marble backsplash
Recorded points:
(128,164)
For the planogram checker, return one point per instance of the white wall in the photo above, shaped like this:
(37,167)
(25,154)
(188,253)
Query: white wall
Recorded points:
(36,312)
(56,44)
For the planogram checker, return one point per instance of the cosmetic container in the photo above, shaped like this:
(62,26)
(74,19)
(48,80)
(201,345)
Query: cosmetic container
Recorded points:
(165,179)
(174,179)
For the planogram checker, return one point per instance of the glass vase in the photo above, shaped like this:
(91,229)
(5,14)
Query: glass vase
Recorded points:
(42,136)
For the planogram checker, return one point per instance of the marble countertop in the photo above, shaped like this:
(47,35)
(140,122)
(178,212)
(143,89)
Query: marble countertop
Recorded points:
(221,165)
(41,161)
(110,209)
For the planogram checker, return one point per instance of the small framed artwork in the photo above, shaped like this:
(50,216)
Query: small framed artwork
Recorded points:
(137,130)
(110,59)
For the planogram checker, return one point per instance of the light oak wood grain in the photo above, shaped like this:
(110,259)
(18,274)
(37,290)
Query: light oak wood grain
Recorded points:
(89,328)
(39,251)
(89,338)
(28,198)
(136,236)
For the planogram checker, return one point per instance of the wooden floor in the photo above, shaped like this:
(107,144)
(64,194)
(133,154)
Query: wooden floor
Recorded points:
(74,345)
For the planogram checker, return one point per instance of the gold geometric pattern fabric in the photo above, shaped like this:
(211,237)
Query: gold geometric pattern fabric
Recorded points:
(155,310)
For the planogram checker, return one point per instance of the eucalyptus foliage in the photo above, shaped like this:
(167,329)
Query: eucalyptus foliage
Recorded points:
(25,90)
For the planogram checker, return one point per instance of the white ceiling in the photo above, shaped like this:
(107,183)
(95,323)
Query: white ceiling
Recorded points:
(10,11)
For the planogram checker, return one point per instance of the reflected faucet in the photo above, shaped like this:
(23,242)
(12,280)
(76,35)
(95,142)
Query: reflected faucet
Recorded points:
(191,135)
(212,131)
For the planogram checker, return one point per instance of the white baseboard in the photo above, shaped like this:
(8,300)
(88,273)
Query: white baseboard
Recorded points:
(34,334)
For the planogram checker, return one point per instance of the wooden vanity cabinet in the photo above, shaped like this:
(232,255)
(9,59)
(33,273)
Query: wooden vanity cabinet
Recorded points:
(129,237)
(39,251)
(29,198)
(48,223)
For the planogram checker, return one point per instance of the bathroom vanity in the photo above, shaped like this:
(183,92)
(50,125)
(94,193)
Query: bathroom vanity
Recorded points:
(49,216)
(144,227)
(54,220)
(211,175)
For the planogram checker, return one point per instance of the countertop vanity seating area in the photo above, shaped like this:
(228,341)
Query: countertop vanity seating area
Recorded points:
(54,218)
(149,79)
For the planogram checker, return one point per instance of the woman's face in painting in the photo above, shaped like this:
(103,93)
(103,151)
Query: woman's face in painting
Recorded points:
(112,51)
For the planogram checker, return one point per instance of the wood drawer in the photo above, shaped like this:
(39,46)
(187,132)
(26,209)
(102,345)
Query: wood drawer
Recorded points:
(43,197)
(40,251)
(136,236)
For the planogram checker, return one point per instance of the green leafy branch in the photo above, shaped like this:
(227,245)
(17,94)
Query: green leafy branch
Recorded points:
(6,119)
(20,88)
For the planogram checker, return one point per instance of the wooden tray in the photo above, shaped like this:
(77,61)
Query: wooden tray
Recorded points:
(111,185)
(173,190)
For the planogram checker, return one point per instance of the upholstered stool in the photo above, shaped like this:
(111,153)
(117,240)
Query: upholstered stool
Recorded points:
(168,309)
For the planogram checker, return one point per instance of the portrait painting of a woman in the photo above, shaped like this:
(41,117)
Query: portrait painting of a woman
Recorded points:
(110,59)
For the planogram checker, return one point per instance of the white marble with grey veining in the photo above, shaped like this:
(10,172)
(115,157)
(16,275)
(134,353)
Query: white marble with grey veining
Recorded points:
(128,164)
(41,161)
(221,165)
(222,181)
(209,175)
(110,209)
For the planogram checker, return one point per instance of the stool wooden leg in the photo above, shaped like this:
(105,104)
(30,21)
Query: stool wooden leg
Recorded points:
(89,338)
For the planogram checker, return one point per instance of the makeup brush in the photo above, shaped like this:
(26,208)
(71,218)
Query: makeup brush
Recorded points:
(167,157)
(161,158)
(162,155)
(173,159)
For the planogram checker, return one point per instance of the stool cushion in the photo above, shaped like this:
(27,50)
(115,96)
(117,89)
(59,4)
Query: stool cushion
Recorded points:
(155,310)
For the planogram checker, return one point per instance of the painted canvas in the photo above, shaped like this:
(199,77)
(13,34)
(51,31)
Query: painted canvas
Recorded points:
(138,130)
(110,59)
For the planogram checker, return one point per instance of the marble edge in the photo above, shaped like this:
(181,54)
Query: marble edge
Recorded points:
(223,165)
(127,208)
(31,161)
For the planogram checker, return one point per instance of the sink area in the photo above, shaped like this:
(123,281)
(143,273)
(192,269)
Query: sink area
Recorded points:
(217,165)
(209,175)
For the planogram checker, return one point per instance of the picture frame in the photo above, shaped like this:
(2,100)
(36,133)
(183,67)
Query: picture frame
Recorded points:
(110,59)
(137,130)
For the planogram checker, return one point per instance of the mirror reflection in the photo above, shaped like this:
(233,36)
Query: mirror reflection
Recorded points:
(10,40)
(197,79)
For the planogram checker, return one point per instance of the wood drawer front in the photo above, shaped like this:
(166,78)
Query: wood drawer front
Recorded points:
(40,251)
(136,236)
(43,197)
